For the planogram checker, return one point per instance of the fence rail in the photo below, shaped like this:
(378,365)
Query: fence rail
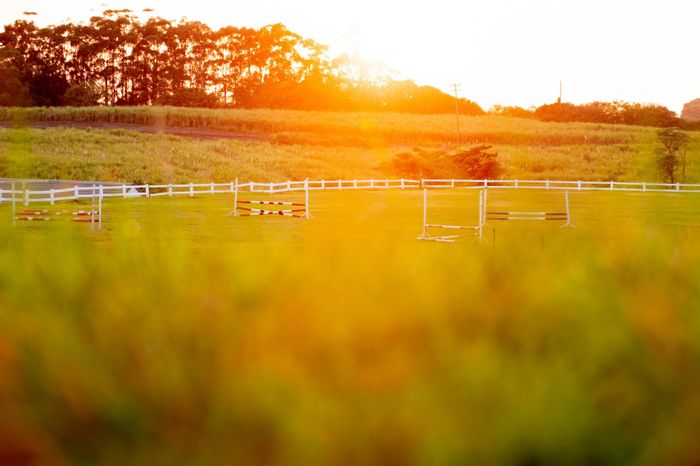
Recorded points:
(28,196)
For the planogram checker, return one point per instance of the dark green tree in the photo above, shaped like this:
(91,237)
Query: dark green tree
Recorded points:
(672,155)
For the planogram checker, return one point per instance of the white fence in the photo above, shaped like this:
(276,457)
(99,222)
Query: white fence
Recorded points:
(27,196)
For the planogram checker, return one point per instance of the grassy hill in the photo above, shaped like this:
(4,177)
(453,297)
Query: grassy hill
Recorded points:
(309,144)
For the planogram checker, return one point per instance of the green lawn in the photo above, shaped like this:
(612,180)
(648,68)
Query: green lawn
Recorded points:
(178,335)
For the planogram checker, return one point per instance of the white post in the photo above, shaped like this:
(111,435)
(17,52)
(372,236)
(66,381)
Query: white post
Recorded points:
(148,190)
(516,184)
(678,187)
(484,212)
(480,224)
(99,211)
(340,184)
(612,185)
(568,213)
(354,184)
(52,196)
(546,185)
(425,213)
(235,198)
(270,188)
(191,189)
(211,187)
(579,185)
(124,190)
(323,184)
(76,192)
(289,185)
(92,209)
(644,187)
(26,197)
(486,183)
(170,190)
(306,190)
(387,183)
(403,183)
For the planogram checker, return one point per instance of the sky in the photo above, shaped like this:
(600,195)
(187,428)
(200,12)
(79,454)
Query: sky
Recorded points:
(508,52)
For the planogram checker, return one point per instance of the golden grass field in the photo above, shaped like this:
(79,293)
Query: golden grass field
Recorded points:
(178,335)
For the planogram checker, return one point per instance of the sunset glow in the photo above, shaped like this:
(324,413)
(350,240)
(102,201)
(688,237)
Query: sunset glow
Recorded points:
(504,51)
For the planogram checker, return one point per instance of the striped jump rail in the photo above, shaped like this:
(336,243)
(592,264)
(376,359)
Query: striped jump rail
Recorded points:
(251,212)
(301,204)
(526,216)
(244,207)
(500,216)
(44,215)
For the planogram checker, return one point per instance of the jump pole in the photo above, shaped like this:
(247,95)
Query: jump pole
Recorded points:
(92,209)
(481,215)
(99,211)
(306,204)
(425,212)
(568,214)
(235,197)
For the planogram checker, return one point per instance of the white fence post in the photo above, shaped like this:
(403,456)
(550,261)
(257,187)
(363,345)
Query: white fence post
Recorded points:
(516,184)
(76,192)
(612,185)
(148,190)
(644,187)
(323,184)
(403,183)
(306,203)
(170,190)
(26,197)
(124,190)
(191,189)
(546,185)
(212,187)
(579,185)
(678,187)
(52,196)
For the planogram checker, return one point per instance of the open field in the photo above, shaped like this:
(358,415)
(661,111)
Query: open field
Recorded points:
(181,336)
(344,128)
(132,156)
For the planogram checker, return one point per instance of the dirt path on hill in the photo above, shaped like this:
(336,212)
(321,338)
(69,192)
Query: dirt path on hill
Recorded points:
(194,133)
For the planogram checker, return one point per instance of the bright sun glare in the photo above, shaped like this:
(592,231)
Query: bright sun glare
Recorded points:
(500,51)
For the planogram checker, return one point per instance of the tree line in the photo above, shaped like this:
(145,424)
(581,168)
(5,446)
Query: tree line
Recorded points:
(616,113)
(118,59)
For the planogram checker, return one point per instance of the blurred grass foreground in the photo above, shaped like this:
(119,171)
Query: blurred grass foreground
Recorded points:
(336,344)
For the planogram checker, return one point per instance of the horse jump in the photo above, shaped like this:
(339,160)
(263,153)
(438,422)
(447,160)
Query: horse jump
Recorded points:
(496,216)
(244,208)
(425,235)
(92,216)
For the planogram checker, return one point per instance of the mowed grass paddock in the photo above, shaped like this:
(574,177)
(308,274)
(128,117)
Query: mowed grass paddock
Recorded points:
(180,334)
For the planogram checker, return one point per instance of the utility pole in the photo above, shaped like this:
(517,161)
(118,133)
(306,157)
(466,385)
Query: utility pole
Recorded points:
(456,86)
(561,84)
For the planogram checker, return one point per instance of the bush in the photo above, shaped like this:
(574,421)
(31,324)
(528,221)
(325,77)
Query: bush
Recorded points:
(475,163)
